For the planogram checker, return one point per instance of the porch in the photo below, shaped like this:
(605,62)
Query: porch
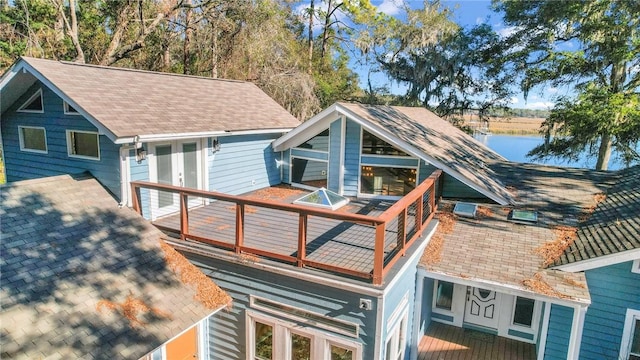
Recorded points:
(446,342)
(362,240)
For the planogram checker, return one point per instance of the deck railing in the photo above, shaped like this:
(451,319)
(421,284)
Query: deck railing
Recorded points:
(393,231)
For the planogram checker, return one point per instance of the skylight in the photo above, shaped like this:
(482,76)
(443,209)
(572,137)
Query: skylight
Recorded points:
(323,198)
(528,216)
(465,209)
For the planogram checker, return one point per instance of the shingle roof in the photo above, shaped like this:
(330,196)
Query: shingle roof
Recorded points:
(614,226)
(133,102)
(494,250)
(439,140)
(67,254)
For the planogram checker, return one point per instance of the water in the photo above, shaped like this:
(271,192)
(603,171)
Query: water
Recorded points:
(515,148)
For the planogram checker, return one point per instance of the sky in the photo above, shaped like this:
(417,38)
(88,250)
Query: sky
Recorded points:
(468,13)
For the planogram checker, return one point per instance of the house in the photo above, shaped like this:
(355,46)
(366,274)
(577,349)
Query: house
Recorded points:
(366,232)
(85,278)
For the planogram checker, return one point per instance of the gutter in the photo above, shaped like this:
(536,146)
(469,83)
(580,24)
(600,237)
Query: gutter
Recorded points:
(191,135)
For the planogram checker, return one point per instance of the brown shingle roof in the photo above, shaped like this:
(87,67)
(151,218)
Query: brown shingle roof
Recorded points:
(614,226)
(68,254)
(439,140)
(134,102)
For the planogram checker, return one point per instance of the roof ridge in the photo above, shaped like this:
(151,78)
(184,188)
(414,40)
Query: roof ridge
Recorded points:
(139,70)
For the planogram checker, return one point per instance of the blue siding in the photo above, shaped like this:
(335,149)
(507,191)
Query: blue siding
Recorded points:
(335,141)
(613,289)
(316,155)
(244,163)
(227,329)
(389,161)
(352,159)
(22,165)
(452,187)
(559,332)
(425,170)
(140,172)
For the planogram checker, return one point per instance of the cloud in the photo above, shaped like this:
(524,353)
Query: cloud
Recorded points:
(507,31)
(539,105)
(391,7)
(514,100)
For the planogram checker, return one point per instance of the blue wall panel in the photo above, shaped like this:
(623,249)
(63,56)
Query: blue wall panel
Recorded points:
(227,329)
(352,159)
(310,154)
(22,165)
(426,310)
(335,140)
(613,289)
(244,163)
(389,161)
(559,332)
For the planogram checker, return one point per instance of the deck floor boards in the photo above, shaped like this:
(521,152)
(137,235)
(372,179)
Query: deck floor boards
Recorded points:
(446,342)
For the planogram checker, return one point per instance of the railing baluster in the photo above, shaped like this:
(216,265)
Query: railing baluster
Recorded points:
(419,209)
(239,227)
(302,239)
(184,216)
(378,254)
(402,231)
(136,198)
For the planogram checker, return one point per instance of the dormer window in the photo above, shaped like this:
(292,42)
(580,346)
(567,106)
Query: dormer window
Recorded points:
(33,104)
(70,110)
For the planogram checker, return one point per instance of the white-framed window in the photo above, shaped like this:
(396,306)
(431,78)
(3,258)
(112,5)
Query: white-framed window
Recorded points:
(635,267)
(34,104)
(33,139)
(630,344)
(443,295)
(387,181)
(69,110)
(270,338)
(523,311)
(395,344)
(83,144)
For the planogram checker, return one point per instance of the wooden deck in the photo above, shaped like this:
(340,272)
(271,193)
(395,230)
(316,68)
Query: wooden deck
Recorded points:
(446,342)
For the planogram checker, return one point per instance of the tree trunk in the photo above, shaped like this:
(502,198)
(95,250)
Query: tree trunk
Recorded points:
(188,34)
(214,50)
(310,42)
(73,32)
(325,32)
(604,152)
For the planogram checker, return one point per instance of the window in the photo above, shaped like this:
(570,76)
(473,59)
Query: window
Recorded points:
(630,346)
(69,110)
(319,142)
(396,342)
(33,104)
(309,172)
(33,139)
(387,181)
(523,311)
(83,144)
(372,145)
(444,295)
(270,338)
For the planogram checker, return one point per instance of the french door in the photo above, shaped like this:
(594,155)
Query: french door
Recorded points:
(177,163)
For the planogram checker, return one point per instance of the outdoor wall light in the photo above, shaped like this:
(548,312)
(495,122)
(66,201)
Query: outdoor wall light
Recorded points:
(215,146)
(141,154)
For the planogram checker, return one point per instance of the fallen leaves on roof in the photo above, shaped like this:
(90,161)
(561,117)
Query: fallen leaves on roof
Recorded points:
(132,309)
(207,292)
(551,251)
(539,285)
(588,210)
(573,282)
(433,253)
(483,212)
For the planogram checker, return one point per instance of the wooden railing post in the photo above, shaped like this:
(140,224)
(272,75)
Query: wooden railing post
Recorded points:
(302,239)
(135,199)
(184,215)
(378,254)
(419,210)
(239,227)
(402,231)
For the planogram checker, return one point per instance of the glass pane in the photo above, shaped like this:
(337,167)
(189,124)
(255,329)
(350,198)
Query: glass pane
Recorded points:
(264,341)
(85,144)
(319,142)
(635,340)
(523,315)
(371,144)
(444,295)
(190,160)
(309,172)
(387,181)
(35,104)
(300,347)
(339,353)
(164,173)
(34,139)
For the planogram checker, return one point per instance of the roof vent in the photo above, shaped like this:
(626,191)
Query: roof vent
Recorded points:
(524,216)
(465,209)
(323,198)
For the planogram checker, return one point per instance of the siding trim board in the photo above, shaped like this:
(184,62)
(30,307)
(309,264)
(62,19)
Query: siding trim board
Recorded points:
(604,260)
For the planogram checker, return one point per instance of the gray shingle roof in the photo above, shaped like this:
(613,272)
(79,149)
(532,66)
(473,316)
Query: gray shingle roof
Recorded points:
(439,140)
(66,249)
(614,226)
(133,102)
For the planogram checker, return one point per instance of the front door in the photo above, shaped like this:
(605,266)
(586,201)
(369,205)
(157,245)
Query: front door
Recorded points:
(482,307)
(184,347)
(177,163)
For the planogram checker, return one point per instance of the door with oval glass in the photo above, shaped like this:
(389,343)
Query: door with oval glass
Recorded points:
(482,307)
(177,163)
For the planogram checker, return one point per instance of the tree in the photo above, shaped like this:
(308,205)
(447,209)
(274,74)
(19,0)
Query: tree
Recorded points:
(591,47)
